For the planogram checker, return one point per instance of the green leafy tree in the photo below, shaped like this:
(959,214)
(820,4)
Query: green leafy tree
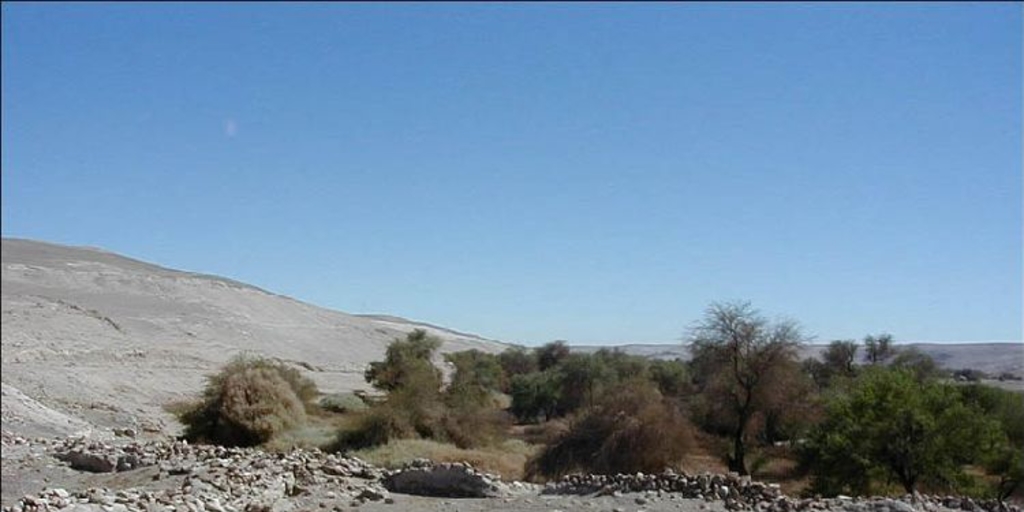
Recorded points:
(878,348)
(582,378)
(622,365)
(477,374)
(406,361)
(414,405)
(922,365)
(838,361)
(464,413)
(671,378)
(473,417)
(738,360)
(893,426)
(515,361)
(840,357)
(1005,458)
(535,396)
(551,355)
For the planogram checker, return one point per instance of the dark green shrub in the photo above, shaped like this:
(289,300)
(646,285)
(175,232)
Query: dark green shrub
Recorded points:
(621,365)
(472,418)
(535,396)
(515,361)
(551,354)
(477,374)
(413,407)
(464,413)
(1005,458)
(405,359)
(671,378)
(893,426)
(921,364)
(582,379)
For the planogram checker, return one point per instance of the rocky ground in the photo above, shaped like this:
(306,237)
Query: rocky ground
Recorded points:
(119,473)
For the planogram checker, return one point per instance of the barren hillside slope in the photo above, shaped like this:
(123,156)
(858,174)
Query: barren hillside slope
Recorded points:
(109,340)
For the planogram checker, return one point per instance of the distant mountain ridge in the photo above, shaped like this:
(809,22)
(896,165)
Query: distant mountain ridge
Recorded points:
(990,357)
(424,325)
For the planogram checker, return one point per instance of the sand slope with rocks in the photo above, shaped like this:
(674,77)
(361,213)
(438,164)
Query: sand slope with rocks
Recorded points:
(93,339)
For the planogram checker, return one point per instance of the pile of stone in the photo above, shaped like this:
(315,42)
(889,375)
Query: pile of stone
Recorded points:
(200,478)
(451,480)
(11,439)
(740,493)
(908,503)
(99,457)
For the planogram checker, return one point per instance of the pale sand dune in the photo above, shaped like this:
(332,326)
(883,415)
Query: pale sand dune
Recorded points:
(110,340)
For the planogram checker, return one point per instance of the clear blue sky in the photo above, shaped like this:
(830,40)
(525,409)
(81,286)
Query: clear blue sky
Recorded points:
(591,172)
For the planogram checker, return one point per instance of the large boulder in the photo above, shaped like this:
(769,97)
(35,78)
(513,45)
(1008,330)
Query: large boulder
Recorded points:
(97,457)
(90,461)
(453,480)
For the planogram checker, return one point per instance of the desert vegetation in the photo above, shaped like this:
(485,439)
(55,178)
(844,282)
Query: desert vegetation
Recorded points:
(863,418)
(632,428)
(248,402)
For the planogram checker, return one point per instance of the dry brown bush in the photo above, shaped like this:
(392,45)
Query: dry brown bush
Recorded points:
(542,433)
(247,403)
(260,402)
(632,429)
(476,428)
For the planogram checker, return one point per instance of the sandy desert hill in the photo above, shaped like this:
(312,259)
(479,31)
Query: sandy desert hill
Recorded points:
(91,338)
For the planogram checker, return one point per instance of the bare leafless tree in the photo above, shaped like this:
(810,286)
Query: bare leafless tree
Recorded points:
(738,360)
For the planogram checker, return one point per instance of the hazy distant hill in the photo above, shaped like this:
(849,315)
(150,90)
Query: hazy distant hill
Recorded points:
(992,358)
(91,335)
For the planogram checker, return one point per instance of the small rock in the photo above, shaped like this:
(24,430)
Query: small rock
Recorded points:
(371,494)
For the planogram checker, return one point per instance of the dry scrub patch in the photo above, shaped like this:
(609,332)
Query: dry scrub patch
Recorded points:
(506,459)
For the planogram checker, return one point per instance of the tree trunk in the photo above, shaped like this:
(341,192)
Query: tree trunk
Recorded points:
(738,462)
(909,481)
